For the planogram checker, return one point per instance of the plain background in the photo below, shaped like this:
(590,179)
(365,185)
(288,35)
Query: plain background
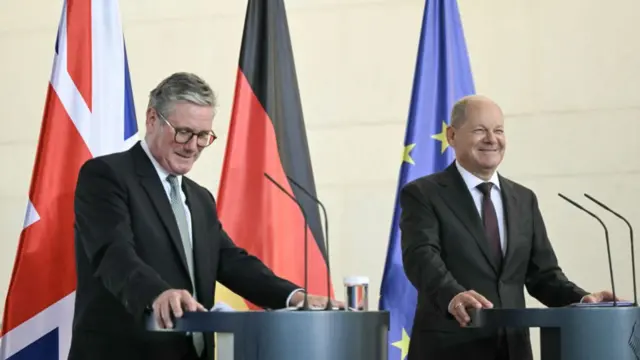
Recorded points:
(564,71)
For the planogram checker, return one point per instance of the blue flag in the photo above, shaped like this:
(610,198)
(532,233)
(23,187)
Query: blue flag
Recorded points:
(442,77)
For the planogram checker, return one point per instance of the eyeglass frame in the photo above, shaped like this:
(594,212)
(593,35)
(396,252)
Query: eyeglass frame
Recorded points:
(183,130)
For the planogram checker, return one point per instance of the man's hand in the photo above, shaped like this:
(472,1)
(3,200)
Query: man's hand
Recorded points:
(315,301)
(599,297)
(173,301)
(464,300)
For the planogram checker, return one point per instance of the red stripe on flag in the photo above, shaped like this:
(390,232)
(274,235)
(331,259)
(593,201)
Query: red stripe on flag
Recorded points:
(44,270)
(79,50)
(253,211)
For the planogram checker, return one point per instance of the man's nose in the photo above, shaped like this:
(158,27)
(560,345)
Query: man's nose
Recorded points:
(192,144)
(490,137)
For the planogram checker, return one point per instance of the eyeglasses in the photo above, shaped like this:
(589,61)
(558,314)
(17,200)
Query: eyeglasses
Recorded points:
(183,136)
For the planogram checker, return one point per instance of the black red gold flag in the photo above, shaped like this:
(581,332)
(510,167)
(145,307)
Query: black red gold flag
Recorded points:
(267,135)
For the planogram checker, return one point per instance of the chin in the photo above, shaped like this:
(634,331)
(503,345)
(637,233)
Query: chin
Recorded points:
(489,163)
(181,169)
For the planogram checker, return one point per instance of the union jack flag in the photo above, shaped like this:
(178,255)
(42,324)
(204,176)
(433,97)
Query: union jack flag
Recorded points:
(89,112)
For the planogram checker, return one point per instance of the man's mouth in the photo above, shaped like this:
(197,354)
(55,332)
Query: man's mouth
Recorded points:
(184,156)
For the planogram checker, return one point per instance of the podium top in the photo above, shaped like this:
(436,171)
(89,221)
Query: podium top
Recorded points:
(238,321)
(549,317)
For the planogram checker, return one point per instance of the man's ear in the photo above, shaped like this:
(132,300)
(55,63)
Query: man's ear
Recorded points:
(149,116)
(451,133)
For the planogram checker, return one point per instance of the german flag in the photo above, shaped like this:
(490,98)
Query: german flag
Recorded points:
(267,135)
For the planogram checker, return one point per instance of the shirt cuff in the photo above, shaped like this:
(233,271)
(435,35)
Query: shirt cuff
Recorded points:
(290,296)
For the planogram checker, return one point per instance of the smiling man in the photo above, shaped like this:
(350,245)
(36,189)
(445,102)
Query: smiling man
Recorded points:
(149,238)
(472,238)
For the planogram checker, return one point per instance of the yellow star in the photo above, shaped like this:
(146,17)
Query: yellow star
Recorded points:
(407,157)
(442,137)
(403,345)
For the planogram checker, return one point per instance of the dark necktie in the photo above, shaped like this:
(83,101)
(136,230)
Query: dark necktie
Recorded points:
(490,220)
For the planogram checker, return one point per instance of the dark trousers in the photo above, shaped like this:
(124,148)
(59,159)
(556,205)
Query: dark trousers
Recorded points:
(191,354)
(503,347)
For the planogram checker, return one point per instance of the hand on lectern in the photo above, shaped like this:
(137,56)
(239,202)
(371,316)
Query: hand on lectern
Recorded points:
(599,297)
(467,299)
(315,301)
(173,301)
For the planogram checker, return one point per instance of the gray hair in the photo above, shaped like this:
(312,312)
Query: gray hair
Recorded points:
(181,86)
(459,112)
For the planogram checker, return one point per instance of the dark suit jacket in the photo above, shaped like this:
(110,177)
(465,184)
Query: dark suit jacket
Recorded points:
(128,251)
(445,252)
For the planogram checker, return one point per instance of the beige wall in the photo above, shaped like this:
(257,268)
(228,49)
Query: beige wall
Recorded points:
(565,72)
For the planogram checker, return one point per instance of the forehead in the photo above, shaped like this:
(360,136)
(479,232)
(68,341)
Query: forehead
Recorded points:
(484,113)
(191,116)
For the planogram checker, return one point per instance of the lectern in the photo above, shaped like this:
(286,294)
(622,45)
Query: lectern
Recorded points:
(573,333)
(289,335)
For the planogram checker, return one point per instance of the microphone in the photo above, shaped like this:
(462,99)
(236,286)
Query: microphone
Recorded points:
(305,305)
(633,256)
(326,231)
(606,236)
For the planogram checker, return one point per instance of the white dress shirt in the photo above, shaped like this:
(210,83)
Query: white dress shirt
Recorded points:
(162,174)
(472,182)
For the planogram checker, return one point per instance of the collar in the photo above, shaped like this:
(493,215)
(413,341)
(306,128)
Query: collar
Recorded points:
(472,181)
(162,173)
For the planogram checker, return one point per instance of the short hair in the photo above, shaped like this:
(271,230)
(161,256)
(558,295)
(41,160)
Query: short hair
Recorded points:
(459,112)
(181,86)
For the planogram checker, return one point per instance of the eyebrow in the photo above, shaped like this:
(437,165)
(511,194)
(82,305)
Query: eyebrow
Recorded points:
(187,128)
(192,130)
(484,127)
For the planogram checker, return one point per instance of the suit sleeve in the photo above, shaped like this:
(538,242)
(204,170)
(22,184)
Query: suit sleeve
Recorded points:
(247,276)
(421,249)
(104,236)
(545,279)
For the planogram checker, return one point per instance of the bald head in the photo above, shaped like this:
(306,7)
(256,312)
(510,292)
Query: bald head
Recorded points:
(464,106)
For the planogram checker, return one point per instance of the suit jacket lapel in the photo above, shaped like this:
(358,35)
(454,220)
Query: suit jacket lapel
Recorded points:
(457,197)
(153,186)
(511,205)
(201,245)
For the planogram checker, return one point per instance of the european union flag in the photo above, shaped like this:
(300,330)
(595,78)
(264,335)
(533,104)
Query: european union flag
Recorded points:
(442,77)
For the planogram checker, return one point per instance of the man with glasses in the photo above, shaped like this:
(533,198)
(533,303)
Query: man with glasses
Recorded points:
(149,238)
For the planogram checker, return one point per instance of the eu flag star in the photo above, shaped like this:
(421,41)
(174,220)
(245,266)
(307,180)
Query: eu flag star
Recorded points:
(403,344)
(407,156)
(442,137)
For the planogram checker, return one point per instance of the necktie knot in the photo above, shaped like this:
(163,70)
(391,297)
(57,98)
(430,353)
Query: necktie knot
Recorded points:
(173,180)
(485,188)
